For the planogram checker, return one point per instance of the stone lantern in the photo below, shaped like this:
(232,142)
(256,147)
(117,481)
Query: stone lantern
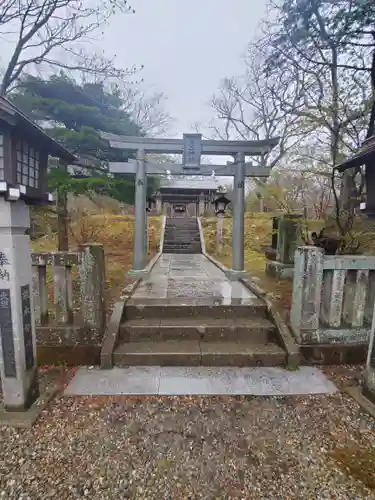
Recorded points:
(24,152)
(150,203)
(221,202)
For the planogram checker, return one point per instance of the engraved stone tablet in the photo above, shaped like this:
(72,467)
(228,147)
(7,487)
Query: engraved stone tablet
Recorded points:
(27,330)
(6,332)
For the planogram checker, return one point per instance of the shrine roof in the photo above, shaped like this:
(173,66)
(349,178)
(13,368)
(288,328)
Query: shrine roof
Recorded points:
(365,153)
(186,184)
(14,117)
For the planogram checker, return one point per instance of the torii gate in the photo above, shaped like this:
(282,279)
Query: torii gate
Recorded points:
(191,146)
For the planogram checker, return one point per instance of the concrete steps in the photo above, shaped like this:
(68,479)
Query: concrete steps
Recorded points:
(160,309)
(191,335)
(183,250)
(259,330)
(195,353)
(182,236)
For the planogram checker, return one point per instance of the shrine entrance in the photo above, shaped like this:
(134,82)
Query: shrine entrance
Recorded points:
(186,197)
(191,147)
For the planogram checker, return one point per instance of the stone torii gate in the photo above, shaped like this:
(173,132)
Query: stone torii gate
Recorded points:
(191,147)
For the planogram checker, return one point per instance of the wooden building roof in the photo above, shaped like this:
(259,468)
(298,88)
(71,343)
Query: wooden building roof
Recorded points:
(365,153)
(18,120)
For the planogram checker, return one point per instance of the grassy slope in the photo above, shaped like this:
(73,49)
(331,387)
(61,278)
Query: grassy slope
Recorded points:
(115,233)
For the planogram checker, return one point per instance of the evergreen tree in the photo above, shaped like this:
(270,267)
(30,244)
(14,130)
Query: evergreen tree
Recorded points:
(74,114)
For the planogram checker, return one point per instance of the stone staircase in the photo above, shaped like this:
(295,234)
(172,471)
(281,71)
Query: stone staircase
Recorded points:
(189,335)
(182,236)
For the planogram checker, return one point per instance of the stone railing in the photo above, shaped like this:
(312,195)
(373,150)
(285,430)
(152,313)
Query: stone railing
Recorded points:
(333,297)
(68,298)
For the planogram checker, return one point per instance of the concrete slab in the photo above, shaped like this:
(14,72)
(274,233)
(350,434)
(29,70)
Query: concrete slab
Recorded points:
(137,380)
(193,278)
(199,380)
(278,381)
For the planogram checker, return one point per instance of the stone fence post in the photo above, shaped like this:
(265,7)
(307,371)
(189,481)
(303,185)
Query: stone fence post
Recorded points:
(91,268)
(307,290)
(287,238)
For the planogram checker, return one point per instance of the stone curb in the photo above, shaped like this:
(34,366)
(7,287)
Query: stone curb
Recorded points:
(112,330)
(358,396)
(161,245)
(286,336)
(111,334)
(201,234)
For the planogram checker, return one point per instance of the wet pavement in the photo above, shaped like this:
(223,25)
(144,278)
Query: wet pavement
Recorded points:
(191,279)
(181,381)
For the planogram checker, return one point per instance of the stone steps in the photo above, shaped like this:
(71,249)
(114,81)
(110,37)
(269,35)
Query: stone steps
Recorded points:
(182,236)
(195,353)
(191,335)
(160,309)
(257,330)
(182,251)
(187,241)
(171,248)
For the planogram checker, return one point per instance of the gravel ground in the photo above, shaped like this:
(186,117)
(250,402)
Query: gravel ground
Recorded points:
(191,447)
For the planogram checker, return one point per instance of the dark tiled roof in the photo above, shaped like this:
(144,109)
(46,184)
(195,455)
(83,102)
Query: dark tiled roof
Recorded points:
(366,152)
(15,117)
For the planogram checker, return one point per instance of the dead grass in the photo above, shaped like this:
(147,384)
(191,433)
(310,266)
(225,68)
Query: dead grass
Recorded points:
(115,233)
(358,462)
(258,233)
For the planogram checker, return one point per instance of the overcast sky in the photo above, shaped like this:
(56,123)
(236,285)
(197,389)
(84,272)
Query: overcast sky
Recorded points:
(187,47)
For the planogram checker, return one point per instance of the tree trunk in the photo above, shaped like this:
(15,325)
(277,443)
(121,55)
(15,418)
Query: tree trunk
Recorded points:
(62,217)
(370,171)
(371,125)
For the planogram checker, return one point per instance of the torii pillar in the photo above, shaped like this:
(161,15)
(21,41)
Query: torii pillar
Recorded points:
(140,225)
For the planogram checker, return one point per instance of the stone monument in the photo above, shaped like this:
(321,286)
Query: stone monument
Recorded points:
(24,152)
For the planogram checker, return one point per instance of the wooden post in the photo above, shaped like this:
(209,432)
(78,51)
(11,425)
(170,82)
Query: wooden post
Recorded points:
(307,290)
(62,215)
(275,229)
(91,268)
(220,223)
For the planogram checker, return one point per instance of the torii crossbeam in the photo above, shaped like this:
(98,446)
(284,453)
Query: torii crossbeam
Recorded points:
(191,147)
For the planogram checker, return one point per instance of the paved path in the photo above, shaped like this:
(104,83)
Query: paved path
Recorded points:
(189,279)
(199,380)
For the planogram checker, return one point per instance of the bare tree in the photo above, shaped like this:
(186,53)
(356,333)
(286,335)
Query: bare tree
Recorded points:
(48,31)
(247,108)
(330,44)
(148,110)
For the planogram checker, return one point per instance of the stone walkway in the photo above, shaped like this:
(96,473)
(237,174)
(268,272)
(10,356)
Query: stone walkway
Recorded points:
(190,279)
(188,381)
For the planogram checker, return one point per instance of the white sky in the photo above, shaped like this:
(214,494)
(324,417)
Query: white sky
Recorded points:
(187,47)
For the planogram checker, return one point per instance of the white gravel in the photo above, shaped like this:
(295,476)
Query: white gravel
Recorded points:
(186,447)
